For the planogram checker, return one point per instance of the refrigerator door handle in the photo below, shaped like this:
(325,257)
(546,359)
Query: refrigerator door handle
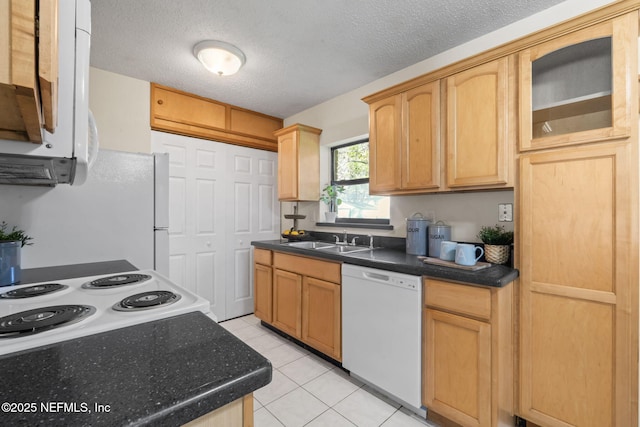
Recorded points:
(161,181)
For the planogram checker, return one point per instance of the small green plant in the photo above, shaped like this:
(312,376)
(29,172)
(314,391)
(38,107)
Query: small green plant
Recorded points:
(495,235)
(330,195)
(14,235)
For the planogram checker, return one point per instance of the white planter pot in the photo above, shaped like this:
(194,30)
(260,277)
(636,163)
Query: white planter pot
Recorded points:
(330,216)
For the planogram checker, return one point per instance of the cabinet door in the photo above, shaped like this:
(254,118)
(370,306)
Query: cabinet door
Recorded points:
(421,137)
(477,126)
(579,296)
(287,302)
(262,292)
(457,368)
(321,316)
(19,95)
(574,89)
(385,124)
(288,166)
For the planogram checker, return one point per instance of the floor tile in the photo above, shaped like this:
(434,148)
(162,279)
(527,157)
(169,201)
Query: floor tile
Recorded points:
(332,386)
(297,408)
(283,354)
(251,319)
(364,409)
(278,387)
(403,418)
(265,342)
(251,331)
(234,324)
(264,418)
(330,418)
(305,369)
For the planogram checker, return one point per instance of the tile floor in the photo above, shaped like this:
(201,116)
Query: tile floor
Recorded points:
(308,391)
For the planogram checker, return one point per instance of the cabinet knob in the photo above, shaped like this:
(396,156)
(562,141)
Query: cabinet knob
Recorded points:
(160,102)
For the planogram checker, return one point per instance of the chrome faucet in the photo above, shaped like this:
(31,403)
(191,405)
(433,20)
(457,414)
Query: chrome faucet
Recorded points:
(346,237)
(337,239)
(370,241)
(353,241)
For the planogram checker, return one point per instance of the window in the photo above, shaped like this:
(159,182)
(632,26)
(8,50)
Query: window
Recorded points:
(350,168)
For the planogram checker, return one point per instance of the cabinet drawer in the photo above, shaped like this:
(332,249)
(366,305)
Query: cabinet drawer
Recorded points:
(466,300)
(325,270)
(262,256)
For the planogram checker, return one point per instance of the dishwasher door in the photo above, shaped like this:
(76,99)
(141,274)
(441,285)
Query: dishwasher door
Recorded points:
(381,331)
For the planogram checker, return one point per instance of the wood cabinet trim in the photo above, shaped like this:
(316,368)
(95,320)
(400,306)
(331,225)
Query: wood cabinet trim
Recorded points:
(262,256)
(312,267)
(471,301)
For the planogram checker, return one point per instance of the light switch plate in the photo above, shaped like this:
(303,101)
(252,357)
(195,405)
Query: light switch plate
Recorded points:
(505,212)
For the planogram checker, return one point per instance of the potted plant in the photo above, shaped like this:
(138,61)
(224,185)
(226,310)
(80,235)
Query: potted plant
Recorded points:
(11,241)
(330,196)
(497,243)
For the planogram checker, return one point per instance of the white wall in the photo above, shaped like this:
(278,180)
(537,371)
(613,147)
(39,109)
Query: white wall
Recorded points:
(120,106)
(345,117)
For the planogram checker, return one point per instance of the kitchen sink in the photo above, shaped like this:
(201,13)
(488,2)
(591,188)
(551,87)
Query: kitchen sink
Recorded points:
(345,249)
(311,245)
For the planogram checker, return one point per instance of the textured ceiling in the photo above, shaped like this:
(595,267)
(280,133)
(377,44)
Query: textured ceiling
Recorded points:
(299,53)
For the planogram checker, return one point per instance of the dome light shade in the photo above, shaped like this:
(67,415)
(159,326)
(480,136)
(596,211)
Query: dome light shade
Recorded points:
(220,58)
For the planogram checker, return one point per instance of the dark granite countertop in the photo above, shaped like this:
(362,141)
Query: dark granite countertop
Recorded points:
(161,373)
(398,261)
(61,272)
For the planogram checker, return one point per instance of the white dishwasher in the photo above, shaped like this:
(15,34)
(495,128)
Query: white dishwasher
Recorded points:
(381,331)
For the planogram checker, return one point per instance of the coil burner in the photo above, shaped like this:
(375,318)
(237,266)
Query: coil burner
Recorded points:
(147,301)
(42,319)
(33,291)
(117,280)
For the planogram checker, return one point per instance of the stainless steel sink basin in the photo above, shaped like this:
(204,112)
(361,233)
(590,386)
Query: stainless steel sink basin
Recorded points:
(310,245)
(345,249)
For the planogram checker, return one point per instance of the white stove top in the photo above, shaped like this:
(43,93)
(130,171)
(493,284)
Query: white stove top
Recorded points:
(104,318)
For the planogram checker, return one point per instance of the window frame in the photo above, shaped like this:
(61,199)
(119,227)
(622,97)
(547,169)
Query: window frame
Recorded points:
(382,223)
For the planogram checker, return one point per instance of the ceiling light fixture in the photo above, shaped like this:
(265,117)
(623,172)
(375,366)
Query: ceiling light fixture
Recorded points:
(220,58)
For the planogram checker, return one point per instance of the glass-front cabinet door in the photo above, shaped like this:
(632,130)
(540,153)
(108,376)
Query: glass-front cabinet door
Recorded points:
(573,88)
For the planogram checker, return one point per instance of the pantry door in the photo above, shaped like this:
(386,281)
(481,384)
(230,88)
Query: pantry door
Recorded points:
(253,214)
(221,198)
(196,215)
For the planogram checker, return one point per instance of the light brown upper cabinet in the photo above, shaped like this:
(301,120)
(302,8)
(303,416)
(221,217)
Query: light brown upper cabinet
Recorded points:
(479,121)
(298,163)
(404,142)
(574,89)
(406,145)
(28,69)
(187,114)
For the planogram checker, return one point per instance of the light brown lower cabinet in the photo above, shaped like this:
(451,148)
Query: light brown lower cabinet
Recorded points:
(302,298)
(468,353)
(321,314)
(238,413)
(287,302)
(262,285)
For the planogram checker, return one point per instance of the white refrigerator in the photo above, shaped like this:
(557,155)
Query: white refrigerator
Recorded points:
(121,212)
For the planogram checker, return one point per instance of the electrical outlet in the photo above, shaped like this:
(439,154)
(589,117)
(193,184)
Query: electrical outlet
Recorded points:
(505,212)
